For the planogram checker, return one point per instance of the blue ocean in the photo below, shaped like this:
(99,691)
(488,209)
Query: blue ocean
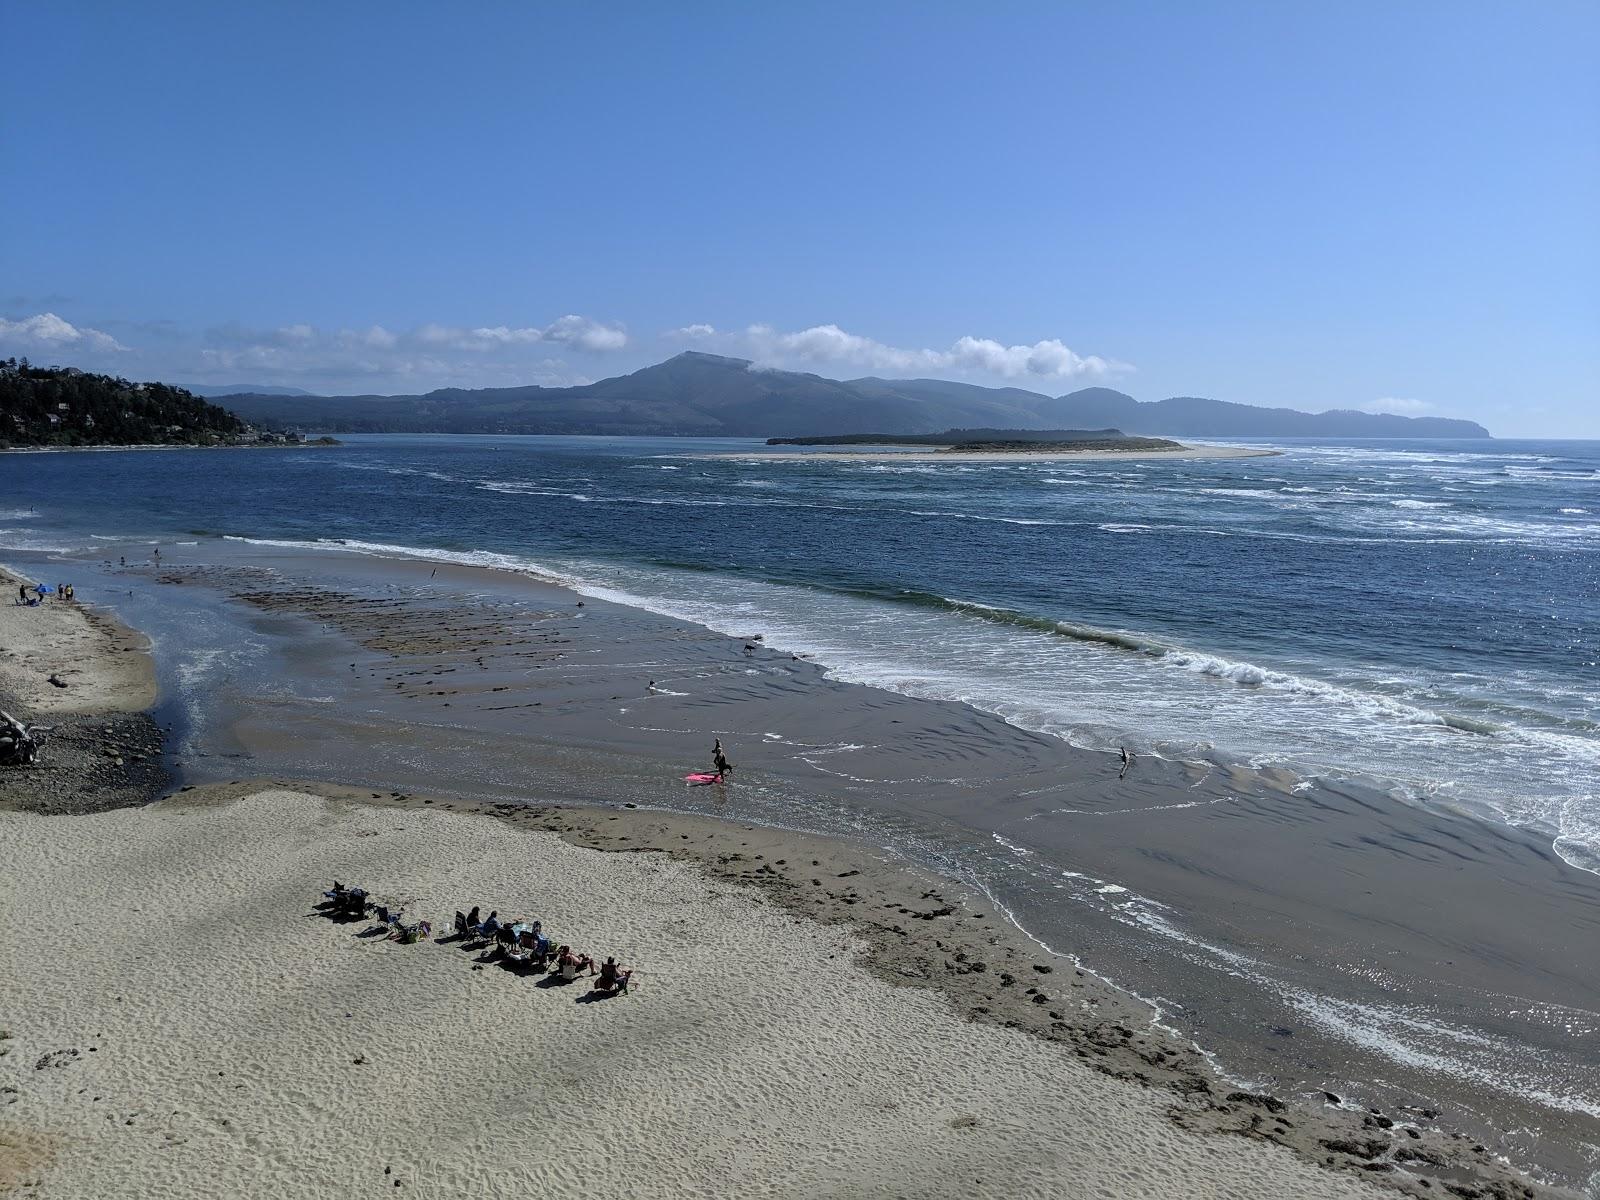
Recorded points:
(1421,616)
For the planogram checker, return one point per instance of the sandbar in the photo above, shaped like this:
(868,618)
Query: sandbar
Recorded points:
(992,456)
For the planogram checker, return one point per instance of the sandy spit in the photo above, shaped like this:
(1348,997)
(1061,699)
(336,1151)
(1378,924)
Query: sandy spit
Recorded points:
(186,1024)
(992,456)
(102,749)
(104,664)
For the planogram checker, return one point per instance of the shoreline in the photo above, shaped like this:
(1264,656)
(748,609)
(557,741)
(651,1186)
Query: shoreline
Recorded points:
(987,456)
(1127,1046)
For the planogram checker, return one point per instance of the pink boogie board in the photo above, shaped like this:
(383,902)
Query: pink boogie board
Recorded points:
(702,777)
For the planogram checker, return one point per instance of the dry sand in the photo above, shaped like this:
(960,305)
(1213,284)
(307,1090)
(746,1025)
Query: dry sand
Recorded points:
(990,456)
(182,1023)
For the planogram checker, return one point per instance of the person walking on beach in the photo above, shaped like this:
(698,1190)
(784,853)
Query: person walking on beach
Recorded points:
(1127,761)
(719,759)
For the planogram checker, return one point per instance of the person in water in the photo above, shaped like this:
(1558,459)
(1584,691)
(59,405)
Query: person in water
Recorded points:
(1127,761)
(719,759)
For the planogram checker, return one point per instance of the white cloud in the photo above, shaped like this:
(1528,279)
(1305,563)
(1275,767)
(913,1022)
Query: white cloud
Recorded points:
(50,331)
(1398,406)
(296,335)
(585,334)
(374,336)
(378,358)
(692,333)
(580,333)
(832,346)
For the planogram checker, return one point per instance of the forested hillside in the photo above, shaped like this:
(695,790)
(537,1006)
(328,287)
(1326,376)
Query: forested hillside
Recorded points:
(62,406)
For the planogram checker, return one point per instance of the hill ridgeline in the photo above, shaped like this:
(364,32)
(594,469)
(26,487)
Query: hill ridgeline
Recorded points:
(707,395)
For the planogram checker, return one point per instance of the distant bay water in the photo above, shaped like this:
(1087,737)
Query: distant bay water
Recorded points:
(1424,616)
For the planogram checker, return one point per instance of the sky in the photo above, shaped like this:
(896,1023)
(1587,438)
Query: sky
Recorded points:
(1389,206)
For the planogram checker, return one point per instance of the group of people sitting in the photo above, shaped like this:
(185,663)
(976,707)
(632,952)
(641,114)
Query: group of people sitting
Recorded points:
(516,941)
(526,942)
(354,902)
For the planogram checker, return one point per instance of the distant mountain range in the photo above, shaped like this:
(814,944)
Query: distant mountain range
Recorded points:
(707,395)
(213,390)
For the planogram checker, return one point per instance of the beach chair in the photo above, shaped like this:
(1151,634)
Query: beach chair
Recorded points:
(408,934)
(463,930)
(354,902)
(527,945)
(613,980)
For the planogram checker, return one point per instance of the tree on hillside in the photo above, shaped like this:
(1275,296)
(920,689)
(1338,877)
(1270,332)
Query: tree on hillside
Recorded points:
(63,406)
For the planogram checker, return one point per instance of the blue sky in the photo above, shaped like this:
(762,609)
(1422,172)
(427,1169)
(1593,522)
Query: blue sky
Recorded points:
(1354,205)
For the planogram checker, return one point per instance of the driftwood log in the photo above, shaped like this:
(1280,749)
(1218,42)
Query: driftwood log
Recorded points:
(18,744)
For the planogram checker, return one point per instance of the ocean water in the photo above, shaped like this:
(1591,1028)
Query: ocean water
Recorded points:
(1420,616)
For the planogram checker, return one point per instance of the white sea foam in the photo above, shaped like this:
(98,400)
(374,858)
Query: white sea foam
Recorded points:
(962,516)
(36,542)
(1275,714)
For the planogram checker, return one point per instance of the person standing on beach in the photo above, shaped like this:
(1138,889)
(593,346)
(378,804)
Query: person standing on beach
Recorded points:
(719,759)
(1127,761)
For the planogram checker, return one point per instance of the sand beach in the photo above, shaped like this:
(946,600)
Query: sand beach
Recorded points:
(209,1033)
(812,1015)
